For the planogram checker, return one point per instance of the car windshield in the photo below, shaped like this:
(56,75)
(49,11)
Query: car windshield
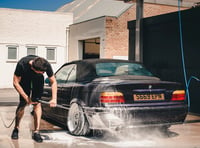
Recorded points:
(116,69)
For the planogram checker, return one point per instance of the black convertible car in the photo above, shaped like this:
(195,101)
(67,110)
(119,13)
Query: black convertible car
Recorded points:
(107,93)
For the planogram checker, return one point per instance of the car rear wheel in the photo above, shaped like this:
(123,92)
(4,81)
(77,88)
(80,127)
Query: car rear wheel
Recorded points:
(77,122)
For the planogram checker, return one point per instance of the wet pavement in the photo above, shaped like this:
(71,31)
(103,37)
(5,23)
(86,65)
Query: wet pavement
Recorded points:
(186,135)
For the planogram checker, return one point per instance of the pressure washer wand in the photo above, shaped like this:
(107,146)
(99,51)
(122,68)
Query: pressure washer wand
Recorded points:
(59,106)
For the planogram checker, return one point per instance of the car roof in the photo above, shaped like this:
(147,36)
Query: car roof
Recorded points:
(94,61)
(86,67)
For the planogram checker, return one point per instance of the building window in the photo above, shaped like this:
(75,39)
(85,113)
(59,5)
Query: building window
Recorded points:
(31,50)
(51,54)
(12,53)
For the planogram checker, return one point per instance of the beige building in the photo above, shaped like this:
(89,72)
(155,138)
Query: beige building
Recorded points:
(24,32)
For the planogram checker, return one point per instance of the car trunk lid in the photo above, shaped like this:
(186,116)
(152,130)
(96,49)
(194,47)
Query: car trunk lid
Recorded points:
(142,89)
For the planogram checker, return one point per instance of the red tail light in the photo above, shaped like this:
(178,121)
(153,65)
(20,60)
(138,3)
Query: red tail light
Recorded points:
(178,95)
(111,97)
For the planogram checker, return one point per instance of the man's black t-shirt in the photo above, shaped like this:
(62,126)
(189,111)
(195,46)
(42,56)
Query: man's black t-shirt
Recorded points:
(23,68)
(31,80)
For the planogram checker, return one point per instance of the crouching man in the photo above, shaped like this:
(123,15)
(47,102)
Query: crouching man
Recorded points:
(28,80)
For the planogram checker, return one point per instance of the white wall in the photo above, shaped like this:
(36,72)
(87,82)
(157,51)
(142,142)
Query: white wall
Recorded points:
(82,31)
(24,28)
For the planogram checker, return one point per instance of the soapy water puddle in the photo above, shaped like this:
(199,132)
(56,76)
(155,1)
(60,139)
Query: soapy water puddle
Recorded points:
(146,137)
(130,137)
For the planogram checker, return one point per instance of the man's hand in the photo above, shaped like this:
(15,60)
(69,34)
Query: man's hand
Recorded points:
(53,102)
(30,102)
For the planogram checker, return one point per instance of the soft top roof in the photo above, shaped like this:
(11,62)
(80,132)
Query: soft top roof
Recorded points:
(94,61)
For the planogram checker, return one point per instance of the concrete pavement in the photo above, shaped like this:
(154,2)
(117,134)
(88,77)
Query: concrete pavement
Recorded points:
(8,97)
(186,135)
(8,104)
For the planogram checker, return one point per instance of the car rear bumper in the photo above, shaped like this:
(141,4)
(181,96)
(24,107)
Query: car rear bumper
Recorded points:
(129,117)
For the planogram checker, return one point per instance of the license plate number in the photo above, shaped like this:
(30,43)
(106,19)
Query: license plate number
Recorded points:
(148,97)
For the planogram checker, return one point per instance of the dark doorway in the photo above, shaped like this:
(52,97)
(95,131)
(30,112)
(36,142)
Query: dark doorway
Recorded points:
(91,48)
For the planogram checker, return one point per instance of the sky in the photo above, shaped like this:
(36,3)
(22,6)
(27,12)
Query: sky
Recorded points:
(43,5)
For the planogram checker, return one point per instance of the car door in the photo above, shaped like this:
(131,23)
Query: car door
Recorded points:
(69,87)
(63,76)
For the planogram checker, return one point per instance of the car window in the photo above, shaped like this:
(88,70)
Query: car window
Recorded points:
(66,73)
(72,75)
(115,69)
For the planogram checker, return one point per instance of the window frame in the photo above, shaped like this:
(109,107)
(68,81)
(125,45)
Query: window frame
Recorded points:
(28,47)
(55,54)
(17,53)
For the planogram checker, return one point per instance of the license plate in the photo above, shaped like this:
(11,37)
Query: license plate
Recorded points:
(148,97)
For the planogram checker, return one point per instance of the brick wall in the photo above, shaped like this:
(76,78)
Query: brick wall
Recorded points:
(116,40)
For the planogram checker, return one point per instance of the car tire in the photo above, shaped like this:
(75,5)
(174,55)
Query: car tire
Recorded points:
(76,121)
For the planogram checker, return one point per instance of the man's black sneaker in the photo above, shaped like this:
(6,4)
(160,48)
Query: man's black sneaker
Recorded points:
(15,134)
(37,137)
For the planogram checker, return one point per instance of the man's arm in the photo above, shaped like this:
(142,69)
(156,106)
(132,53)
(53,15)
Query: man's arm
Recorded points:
(53,101)
(16,80)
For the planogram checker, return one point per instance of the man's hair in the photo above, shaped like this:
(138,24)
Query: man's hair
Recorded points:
(40,64)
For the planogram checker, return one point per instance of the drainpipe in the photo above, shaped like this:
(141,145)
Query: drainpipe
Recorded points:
(137,54)
(139,31)
(67,45)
